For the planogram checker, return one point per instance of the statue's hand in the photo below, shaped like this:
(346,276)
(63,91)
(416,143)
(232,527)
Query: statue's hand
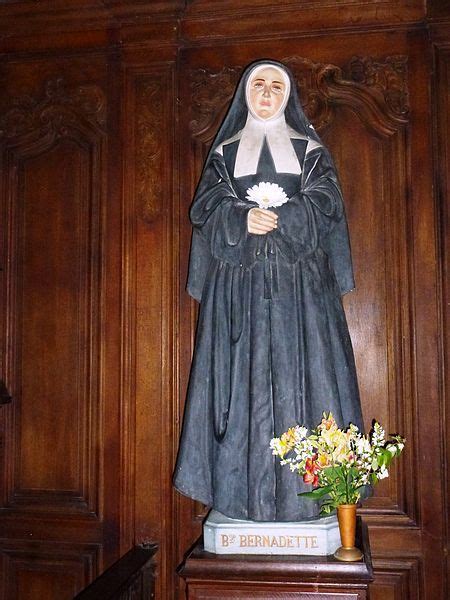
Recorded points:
(260,221)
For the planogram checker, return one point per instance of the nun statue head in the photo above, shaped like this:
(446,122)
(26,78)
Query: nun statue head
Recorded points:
(267,91)
(266,97)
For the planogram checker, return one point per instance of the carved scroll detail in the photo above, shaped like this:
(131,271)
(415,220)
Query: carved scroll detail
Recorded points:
(57,111)
(308,76)
(376,89)
(149,111)
(210,93)
(389,77)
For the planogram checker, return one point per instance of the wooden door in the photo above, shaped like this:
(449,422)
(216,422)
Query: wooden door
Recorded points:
(60,243)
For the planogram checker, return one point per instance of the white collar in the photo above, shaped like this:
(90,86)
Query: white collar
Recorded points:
(276,132)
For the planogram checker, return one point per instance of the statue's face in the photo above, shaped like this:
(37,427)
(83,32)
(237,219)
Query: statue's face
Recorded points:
(266,92)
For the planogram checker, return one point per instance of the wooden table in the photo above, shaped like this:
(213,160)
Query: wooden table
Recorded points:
(255,577)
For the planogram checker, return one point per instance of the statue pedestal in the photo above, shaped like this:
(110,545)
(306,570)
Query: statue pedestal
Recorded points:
(263,577)
(317,537)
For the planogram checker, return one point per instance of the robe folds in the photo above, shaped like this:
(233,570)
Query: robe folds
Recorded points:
(272,347)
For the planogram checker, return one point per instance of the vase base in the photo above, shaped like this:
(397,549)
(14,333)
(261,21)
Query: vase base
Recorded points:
(348,554)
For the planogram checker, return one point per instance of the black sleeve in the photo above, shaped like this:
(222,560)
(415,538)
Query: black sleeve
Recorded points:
(219,219)
(315,217)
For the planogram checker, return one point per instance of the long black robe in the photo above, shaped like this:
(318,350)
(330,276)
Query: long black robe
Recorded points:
(272,347)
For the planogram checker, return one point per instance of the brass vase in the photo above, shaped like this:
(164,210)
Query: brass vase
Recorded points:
(347,527)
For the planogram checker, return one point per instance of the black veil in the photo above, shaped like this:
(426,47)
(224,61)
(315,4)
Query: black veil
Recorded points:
(234,121)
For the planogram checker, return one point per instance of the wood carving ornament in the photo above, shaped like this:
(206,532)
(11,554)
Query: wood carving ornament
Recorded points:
(272,346)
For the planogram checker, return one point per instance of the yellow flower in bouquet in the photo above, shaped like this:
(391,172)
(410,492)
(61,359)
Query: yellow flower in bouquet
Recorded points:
(338,464)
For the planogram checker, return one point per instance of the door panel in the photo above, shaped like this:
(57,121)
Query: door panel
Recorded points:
(60,434)
(47,570)
(51,331)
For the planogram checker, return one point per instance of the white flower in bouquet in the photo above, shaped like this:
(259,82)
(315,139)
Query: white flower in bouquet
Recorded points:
(383,472)
(267,195)
(337,463)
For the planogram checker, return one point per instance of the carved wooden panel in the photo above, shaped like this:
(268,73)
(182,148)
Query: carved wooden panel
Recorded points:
(377,89)
(37,570)
(148,308)
(60,298)
(52,155)
(87,445)
(395,580)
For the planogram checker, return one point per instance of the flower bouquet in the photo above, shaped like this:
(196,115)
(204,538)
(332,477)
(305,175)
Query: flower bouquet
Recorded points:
(338,464)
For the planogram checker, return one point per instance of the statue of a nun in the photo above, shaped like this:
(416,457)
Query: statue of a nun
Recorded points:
(270,260)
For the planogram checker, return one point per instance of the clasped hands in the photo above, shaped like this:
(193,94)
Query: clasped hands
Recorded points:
(261,221)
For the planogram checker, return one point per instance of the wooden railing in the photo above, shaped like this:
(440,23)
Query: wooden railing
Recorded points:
(130,578)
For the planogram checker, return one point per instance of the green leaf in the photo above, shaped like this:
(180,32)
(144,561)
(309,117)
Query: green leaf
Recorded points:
(354,472)
(340,487)
(317,493)
(335,476)
(326,509)
(383,458)
(391,449)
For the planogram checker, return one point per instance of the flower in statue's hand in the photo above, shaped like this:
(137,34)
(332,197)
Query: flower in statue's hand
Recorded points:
(267,195)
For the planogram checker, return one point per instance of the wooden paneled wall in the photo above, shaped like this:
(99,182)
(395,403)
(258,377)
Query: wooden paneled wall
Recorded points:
(107,110)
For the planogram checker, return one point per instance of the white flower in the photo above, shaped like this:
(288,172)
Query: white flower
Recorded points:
(378,435)
(302,432)
(267,195)
(363,446)
(382,473)
(275,445)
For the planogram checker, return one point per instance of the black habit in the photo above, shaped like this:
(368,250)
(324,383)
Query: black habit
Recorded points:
(272,348)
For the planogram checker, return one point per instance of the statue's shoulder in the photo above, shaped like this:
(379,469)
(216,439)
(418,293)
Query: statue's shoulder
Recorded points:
(237,136)
(311,144)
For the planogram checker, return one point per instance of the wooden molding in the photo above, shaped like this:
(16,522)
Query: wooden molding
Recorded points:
(39,24)
(244,21)
(442,186)
(149,307)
